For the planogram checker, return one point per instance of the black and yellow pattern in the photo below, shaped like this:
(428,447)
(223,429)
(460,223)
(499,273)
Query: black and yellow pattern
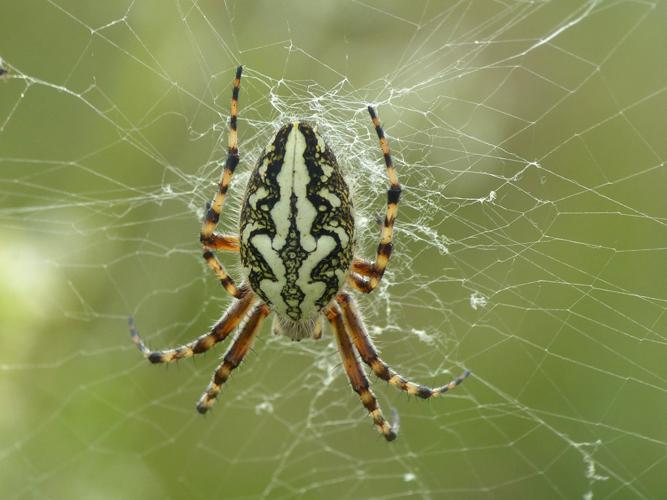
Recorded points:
(208,237)
(356,375)
(369,355)
(366,275)
(326,198)
(328,216)
(233,357)
(203,343)
(256,217)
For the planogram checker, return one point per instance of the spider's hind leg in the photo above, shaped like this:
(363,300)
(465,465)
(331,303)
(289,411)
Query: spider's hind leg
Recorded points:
(233,357)
(356,375)
(369,355)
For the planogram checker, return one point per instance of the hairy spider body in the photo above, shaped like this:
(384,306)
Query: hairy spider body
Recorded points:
(296,243)
(296,228)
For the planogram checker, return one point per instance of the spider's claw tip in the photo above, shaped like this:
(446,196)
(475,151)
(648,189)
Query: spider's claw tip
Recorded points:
(239,70)
(371,111)
(466,374)
(154,357)
(201,409)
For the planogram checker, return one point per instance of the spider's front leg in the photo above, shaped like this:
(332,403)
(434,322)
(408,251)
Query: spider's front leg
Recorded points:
(208,237)
(366,275)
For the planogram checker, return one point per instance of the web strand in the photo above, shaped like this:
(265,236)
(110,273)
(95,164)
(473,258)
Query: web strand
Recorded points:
(530,248)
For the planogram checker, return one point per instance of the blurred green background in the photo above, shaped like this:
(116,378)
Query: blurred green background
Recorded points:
(530,247)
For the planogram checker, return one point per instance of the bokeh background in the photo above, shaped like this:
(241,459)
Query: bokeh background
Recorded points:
(531,247)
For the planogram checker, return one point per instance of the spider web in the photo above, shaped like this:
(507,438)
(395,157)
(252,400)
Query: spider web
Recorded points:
(531,247)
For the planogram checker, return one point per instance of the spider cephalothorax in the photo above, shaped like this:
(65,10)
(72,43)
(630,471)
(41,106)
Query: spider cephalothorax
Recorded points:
(296,242)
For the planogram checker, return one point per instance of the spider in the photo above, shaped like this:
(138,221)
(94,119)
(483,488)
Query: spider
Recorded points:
(296,243)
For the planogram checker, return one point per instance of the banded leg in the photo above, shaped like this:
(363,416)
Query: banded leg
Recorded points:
(208,237)
(358,282)
(225,242)
(369,355)
(374,270)
(203,343)
(356,375)
(233,357)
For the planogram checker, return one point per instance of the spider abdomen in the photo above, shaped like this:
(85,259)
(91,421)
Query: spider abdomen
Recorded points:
(297,224)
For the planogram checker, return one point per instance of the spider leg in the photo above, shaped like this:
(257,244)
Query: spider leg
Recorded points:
(233,357)
(369,355)
(374,270)
(317,329)
(358,282)
(203,343)
(362,267)
(208,237)
(223,242)
(356,375)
